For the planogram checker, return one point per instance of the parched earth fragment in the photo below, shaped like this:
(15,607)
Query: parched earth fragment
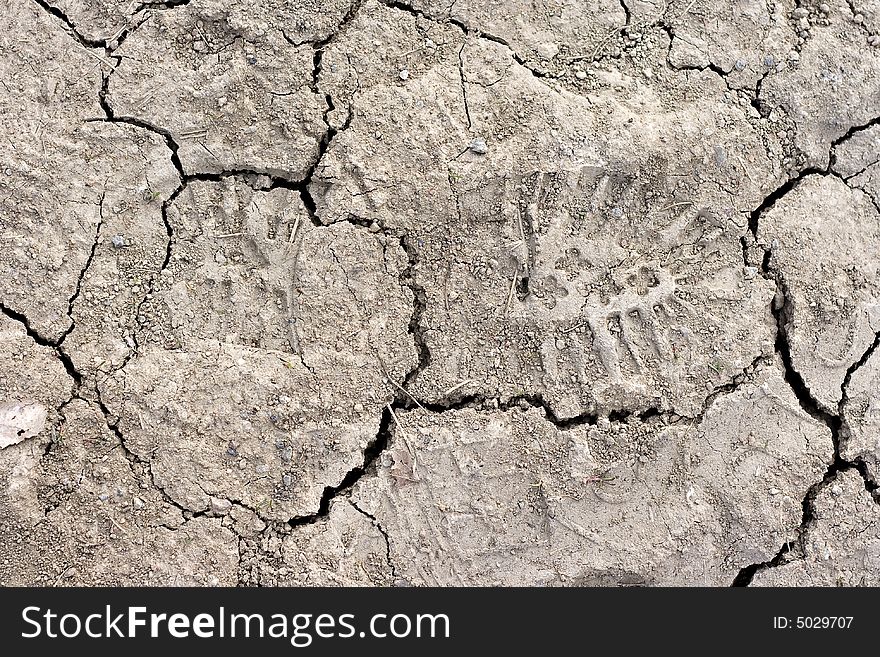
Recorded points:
(20,420)
(33,387)
(102,21)
(861,415)
(834,89)
(55,167)
(591,256)
(537,32)
(344,549)
(269,350)
(744,41)
(371,292)
(858,160)
(843,541)
(128,249)
(225,83)
(823,238)
(482,498)
(83,520)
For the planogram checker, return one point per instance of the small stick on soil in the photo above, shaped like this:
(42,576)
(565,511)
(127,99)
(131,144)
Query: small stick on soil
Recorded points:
(405,437)
(404,391)
(120,527)
(457,386)
(105,62)
(573,328)
(600,45)
(512,288)
(196,132)
(292,235)
(675,205)
(396,420)
(688,8)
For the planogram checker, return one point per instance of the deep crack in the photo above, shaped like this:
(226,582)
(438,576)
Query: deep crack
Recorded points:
(402,398)
(371,453)
(71,26)
(782,313)
(42,341)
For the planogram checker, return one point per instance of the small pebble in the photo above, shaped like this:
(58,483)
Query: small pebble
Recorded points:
(478,146)
(118,241)
(403,75)
(220,506)
(824,8)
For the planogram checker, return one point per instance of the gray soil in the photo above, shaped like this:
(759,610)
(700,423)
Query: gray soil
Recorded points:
(370,292)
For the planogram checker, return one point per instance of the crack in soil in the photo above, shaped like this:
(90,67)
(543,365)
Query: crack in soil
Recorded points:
(42,341)
(466,29)
(109,45)
(71,26)
(331,132)
(82,274)
(463,82)
(782,312)
(402,400)
(382,531)
(78,389)
(402,397)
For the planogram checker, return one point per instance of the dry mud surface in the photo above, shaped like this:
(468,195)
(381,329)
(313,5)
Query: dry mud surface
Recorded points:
(371,292)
